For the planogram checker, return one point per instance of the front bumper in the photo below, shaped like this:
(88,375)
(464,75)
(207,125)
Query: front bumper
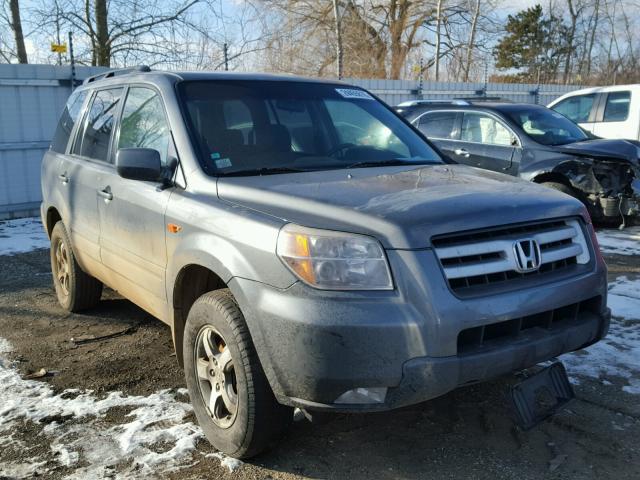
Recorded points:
(426,378)
(316,345)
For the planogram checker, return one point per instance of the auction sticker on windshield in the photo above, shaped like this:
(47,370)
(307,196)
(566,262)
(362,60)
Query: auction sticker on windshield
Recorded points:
(354,93)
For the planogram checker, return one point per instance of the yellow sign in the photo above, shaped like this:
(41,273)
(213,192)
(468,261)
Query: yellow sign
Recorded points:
(59,48)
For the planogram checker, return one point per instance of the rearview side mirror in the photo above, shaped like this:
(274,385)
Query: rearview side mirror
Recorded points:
(139,164)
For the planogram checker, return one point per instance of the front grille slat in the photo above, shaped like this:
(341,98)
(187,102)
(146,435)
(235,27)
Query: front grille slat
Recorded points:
(488,258)
(477,269)
(563,233)
(555,254)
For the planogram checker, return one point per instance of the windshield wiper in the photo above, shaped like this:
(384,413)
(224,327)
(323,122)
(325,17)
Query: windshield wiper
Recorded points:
(391,162)
(263,171)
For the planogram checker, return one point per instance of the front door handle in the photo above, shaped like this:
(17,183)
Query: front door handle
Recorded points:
(63,178)
(461,152)
(106,194)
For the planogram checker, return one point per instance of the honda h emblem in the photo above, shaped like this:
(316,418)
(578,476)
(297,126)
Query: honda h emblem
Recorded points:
(527,253)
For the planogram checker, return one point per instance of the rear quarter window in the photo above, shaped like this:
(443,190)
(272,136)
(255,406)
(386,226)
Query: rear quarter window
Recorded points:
(94,141)
(68,119)
(617,107)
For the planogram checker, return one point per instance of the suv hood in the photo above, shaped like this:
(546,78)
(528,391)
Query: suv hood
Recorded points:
(605,149)
(401,206)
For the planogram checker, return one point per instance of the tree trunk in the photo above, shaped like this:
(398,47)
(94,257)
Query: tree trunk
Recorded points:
(102,45)
(592,39)
(336,14)
(378,46)
(16,25)
(572,33)
(472,39)
(438,23)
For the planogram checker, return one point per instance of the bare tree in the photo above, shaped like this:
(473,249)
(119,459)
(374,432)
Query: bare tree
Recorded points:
(376,35)
(14,21)
(472,39)
(117,28)
(336,14)
(575,10)
(438,38)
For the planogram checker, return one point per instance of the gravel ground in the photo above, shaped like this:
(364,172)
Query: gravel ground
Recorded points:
(69,424)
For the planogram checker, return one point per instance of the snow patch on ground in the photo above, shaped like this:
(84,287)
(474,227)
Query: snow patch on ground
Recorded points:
(21,470)
(230,463)
(154,437)
(620,242)
(618,355)
(22,235)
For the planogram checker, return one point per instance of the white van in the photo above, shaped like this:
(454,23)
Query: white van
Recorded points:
(607,112)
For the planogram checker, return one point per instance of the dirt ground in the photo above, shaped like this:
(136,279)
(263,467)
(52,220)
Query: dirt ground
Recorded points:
(466,434)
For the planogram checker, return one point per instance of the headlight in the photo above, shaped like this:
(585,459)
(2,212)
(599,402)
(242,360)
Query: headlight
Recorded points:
(334,260)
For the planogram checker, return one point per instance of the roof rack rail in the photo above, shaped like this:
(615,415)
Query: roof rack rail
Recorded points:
(413,103)
(480,99)
(114,73)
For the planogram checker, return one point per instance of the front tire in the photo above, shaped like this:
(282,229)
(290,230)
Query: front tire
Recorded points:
(561,187)
(229,391)
(75,289)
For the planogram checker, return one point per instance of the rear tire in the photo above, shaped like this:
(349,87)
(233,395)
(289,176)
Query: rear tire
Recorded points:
(242,418)
(75,289)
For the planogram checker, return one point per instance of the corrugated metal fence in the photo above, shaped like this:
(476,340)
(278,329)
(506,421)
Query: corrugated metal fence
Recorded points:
(396,91)
(32,97)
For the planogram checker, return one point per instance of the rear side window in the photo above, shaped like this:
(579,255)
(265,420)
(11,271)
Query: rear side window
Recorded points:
(143,123)
(438,124)
(480,128)
(94,141)
(67,120)
(576,108)
(617,107)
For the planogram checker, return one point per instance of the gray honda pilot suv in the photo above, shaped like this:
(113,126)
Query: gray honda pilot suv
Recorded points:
(308,247)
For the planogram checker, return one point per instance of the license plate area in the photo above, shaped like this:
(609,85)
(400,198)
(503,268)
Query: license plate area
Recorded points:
(541,395)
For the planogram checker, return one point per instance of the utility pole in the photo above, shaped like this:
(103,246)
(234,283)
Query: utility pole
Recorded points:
(58,39)
(336,14)
(486,77)
(226,57)
(72,61)
(438,22)
(421,77)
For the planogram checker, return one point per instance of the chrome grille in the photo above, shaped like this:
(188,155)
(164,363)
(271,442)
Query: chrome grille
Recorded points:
(490,256)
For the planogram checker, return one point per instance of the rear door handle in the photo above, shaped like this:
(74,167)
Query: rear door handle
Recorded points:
(63,178)
(461,152)
(106,194)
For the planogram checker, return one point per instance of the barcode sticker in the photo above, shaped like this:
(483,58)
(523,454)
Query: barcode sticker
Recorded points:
(354,93)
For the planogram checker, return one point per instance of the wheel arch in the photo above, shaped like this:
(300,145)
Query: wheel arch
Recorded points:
(192,281)
(552,177)
(52,217)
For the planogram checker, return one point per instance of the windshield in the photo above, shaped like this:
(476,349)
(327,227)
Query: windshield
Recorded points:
(546,126)
(255,127)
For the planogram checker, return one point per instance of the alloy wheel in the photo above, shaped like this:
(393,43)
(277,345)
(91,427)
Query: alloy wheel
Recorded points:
(216,376)
(62,266)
